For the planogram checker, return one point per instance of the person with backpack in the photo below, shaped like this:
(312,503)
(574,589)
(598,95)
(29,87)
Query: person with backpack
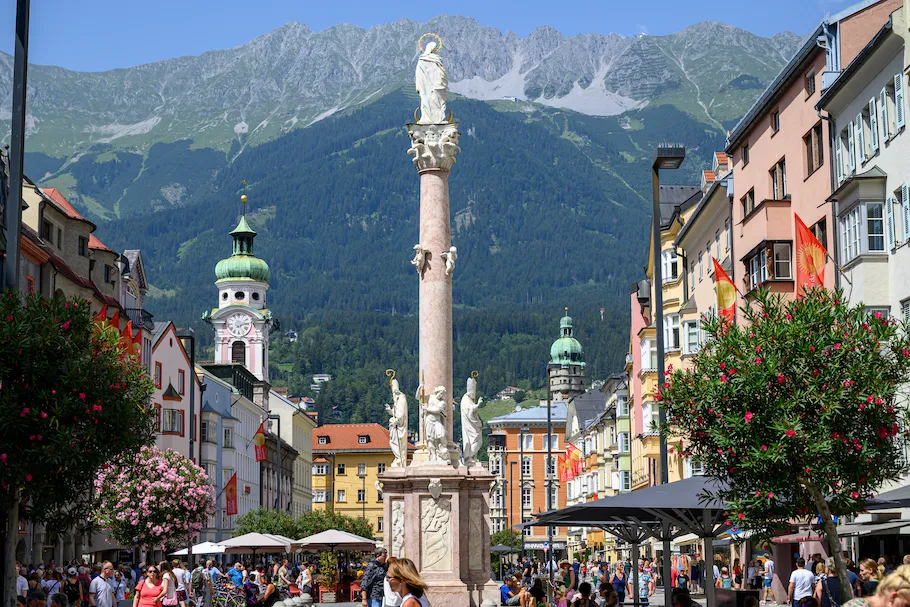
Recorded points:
(197,584)
(827,589)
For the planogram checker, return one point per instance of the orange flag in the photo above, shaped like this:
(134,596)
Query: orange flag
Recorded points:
(126,338)
(725,291)
(230,496)
(115,320)
(259,442)
(101,316)
(136,346)
(810,259)
(561,468)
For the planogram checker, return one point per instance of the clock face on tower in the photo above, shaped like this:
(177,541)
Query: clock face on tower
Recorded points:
(239,324)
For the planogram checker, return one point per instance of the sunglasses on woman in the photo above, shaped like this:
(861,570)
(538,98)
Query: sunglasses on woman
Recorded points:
(150,571)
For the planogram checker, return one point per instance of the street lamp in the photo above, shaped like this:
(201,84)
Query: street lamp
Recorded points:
(666,156)
(278,473)
(549,475)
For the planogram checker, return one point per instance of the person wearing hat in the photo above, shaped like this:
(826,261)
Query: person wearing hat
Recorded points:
(72,588)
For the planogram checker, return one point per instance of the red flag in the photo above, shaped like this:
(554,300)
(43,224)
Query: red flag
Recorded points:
(101,316)
(259,441)
(725,292)
(810,258)
(136,347)
(577,461)
(230,496)
(561,467)
(115,320)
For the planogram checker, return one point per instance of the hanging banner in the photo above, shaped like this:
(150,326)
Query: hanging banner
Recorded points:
(810,259)
(259,442)
(230,496)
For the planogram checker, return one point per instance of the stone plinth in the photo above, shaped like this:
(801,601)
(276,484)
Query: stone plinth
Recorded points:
(439,517)
(434,147)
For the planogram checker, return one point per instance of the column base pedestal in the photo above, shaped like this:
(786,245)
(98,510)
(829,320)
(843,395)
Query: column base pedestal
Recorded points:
(439,517)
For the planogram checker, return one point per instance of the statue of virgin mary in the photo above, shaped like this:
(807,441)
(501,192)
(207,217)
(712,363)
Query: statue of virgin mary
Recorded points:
(432,85)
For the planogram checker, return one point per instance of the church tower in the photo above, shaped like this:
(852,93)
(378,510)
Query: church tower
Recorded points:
(242,321)
(566,369)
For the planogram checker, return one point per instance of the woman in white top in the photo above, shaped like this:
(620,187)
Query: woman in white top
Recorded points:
(404,579)
(391,598)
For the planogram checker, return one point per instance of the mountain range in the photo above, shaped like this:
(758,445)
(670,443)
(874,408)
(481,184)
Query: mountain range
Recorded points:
(550,195)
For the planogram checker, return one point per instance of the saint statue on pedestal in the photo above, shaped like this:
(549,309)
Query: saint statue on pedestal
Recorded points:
(434,431)
(398,426)
(470,423)
(432,82)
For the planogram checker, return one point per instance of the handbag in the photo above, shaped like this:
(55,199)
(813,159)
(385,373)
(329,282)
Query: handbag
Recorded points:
(169,602)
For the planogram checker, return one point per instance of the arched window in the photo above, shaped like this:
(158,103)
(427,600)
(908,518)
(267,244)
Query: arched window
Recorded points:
(238,352)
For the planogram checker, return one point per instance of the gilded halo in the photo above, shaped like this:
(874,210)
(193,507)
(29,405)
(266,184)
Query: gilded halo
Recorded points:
(429,35)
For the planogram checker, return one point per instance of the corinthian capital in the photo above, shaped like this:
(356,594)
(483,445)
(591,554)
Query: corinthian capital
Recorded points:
(434,146)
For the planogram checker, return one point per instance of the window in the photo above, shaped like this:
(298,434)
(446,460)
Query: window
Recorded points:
(671,332)
(341,497)
(107,273)
(320,469)
(47,232)
(691,337)
(775,121)
(748,202)
(728,233)
(814,147)
(59,239)
(361,496)
(860,134)
(181,381)
(528,441)
(238,353)
(207,432)
(782,261)
(495,466)
(871,114)
(648,355)
(625,480)
(526,465)
(669,266)
(171,421)
(624,445)
(380,526)
(884,98)
(553,440)
(820,230)
(158,375)
(883,313)
(905,310)
(717,245)
(361,469)
(758,269)
(875,226)
(554,498)
(380,468)
(694,468)
(622,406)
(850,233)
(323,440)
(378,495)
(700,266)
(898,101)
(569,490)
(551,465)
(83,246)
(527,530)
(526,497)
(31,285)
(779,180)
(809,83)
(745,154)
(319,496)
(362,440)
(340,469)
(228,438)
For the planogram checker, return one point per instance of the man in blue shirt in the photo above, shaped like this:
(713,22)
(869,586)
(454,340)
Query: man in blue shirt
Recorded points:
(509,592)
(236,575)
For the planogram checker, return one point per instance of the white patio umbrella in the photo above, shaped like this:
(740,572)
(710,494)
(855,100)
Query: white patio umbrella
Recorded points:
(253,542)
(203,548)
(333,539)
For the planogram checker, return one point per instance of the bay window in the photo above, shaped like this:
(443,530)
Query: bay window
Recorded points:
(862,230)
(691,337)
(758,269)
(782,261)
(875,226)
(671,332)
(669,262)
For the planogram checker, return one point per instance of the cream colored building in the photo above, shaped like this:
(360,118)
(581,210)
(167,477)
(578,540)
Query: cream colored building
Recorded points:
(297,430)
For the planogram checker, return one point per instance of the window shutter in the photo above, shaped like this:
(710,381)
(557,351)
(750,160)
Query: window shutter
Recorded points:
(889,222)
(860,140)
(839,160)
(851,149)
(873,126)
(898,101)
(883,108)
(182,423)
(905,210)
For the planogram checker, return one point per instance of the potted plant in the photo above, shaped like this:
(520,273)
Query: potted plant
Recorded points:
(328,565)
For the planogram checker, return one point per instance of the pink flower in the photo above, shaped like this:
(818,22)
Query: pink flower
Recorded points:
(770,494)
(757,349)
(82,396)
(43,415)
(24,412)
(723,379)
(878,314)
(764,447)
(9,318)
(837,346)
(791,432)
(780,378)
(854,494)
(757,361)
(28,477)
(748,416)
(65,326)
(740,516)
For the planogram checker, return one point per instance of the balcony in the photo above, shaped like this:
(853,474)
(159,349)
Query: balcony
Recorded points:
(141,318)
(769,220)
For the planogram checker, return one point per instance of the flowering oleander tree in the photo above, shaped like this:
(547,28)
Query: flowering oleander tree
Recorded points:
(71,398)
(800,410)
(157,499)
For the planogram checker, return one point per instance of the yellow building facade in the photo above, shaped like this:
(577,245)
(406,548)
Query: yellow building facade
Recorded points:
(347,462)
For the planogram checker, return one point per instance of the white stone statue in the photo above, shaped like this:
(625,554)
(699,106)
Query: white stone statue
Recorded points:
(398,426)
(470,423)
(420,258)
(450,256)
(432,82)
(434,429)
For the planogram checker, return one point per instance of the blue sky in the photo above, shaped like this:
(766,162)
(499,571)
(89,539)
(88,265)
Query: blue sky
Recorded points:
(96,35)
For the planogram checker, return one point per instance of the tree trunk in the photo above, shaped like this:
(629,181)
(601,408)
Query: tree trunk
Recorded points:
(834,546)
(9,547)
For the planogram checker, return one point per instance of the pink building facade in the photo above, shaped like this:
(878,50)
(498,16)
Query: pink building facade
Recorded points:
(174,378)
(781,154)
